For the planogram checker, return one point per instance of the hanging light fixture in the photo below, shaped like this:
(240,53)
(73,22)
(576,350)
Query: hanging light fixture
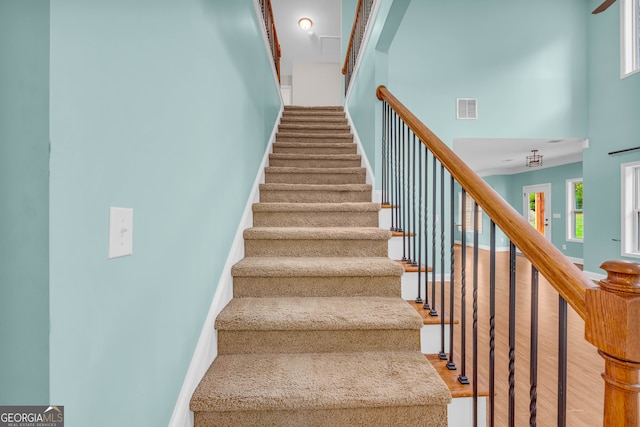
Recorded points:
(534,160)
(305,23)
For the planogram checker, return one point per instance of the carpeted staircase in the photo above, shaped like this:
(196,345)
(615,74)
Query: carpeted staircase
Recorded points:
(317,334)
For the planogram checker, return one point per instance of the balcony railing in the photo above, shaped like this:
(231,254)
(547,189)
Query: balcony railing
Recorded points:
(420,178)
(363,11)
(272,34)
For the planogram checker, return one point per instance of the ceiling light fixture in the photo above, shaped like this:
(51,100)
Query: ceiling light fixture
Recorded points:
(305,23)
(534,160)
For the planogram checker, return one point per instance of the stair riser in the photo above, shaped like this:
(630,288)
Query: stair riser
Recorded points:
(310,121)
(310,163)
(308,138)
(313,178)
(315,248)
(315,219)
(269,196)
(297,341)
(323,286)
(313,129)
(405,416)
(347,149)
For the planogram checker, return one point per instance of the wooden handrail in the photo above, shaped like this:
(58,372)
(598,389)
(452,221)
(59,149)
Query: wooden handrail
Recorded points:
(275,41)
(561,273)
(353,31)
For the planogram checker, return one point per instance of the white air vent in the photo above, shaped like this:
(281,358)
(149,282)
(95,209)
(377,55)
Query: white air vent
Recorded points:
(467,108)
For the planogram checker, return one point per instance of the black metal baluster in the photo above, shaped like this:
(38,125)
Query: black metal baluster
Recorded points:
(396,160)
(533,357)
(419,231)
(451,364)
(416,262)
(442,355)
(426,228)
(562,362)
(403,189)
(475,313)
(492,321)
(433,311)
(384,154)
(512,335)
(462,378)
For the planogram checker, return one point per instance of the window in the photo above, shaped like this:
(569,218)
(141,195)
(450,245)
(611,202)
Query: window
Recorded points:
(631,209)
(468,209)
(629,25)
(575,215)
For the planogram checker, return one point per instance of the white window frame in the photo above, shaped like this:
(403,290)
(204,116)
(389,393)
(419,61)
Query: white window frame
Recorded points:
(572,211)
(631,209)
(629,37)
(469,211)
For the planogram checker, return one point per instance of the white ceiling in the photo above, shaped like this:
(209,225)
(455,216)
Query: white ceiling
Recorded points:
(323,45)
(503,156)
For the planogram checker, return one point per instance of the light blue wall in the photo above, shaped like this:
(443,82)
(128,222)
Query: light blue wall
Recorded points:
(524,61)
(24,202)
(510,188)
(614,124)
(166,107)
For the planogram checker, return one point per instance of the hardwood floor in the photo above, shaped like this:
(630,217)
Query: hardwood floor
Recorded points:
(585,385)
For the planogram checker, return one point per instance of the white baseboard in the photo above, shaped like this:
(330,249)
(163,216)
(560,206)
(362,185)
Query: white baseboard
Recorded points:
(207,346)
(595,276)
(371,179)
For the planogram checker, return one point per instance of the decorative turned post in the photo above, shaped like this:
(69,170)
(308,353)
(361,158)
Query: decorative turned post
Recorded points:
(613,326)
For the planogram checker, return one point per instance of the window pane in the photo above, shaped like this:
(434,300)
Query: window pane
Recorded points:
(577,199)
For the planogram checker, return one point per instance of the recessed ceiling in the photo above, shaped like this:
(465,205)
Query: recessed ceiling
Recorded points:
(297,45)
(502,156)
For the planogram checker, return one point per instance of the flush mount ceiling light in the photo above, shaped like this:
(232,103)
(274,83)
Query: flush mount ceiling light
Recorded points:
(534,160)
(305,23)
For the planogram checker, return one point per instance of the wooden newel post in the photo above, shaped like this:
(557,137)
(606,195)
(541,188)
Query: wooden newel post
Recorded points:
(613,326)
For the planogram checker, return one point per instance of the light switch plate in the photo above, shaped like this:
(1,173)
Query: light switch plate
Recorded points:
(120,232)
(557,216)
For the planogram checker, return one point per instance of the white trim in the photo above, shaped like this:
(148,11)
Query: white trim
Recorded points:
(539,188)
(569,212)
(376,196)
(629,61)
(365,42)
(628,222)
(371,179)
(594,276)
(207,347)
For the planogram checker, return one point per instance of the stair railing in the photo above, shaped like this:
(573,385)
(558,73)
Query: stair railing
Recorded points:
(611,311)
(272,34)
(363,11)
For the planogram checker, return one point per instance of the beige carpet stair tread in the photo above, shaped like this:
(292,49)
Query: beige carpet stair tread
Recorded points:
(287,156)
(316,381)
(318,313)
(323,171)
(291,144)
(316,207)
(315,267)
(304,135)
(275,186)
(304,127)
(316,233)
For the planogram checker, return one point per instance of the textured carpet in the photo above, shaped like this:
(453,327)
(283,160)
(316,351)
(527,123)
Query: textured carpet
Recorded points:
(317,334)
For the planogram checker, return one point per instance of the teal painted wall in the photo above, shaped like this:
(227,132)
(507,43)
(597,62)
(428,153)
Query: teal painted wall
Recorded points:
(614,124)
(510,188)
(165,107)
(24,202)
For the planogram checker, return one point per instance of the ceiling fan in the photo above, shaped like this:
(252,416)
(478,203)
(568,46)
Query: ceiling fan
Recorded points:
(604,6)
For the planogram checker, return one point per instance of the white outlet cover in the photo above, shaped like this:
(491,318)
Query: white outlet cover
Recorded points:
(120,232)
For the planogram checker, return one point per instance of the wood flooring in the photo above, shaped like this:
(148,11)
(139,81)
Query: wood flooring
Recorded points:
(585,385)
